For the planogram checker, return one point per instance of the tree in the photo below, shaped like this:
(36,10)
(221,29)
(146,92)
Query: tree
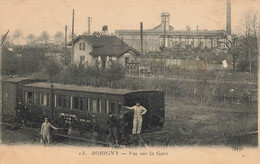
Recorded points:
(17,35)
(44,37)
(30,39)
(59,37)
(234,48)
(248,27)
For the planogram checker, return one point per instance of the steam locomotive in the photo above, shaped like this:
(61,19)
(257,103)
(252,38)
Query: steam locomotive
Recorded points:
(81,107)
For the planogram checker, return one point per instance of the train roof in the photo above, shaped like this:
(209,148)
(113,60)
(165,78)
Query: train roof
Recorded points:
(70,87)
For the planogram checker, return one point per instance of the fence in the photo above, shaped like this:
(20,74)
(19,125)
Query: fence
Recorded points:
(193,92)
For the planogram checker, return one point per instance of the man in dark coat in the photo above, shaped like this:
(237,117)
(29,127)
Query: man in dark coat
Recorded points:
(21,113)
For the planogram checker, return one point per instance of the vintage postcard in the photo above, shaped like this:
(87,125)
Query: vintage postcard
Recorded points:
(131,81)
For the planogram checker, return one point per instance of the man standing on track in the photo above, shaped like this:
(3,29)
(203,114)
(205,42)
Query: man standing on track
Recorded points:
(45,131)
(139,111)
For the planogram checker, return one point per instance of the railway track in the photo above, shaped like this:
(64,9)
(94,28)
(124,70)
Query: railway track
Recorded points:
(143,140)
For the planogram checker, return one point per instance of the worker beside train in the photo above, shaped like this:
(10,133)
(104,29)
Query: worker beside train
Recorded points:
(45,131)
(139,111)
(113,129)
(22,113)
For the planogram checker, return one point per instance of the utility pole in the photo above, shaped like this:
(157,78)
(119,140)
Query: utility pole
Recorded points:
(89,20)
(66,29)
(164,54)
(141,34)
(1,84)
(72,38)
(1,89)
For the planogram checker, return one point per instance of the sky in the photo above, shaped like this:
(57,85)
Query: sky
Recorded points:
(35,16)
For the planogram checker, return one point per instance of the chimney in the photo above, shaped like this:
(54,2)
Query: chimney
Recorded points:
(228,17)
(197,27)
(89,20)
(141,34)
(105,30)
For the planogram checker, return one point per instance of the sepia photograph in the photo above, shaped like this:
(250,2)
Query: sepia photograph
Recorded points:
(130,78)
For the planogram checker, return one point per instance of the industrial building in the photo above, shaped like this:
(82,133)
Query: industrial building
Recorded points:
(165,35)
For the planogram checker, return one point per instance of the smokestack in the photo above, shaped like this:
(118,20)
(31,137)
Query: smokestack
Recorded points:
(197,27)
(89,20)
(228,17)
(141,34)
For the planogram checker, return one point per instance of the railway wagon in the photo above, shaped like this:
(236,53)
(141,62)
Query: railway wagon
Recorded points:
(12,91)
(84,106)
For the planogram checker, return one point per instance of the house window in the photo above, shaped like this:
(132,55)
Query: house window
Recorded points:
(82,59)
(126,60)
(82,46)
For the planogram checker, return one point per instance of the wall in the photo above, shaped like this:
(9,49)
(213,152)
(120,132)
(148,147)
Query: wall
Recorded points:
(9,98)
(78,53)
(150,42)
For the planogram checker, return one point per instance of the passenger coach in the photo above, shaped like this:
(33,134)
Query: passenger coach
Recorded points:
(80,106)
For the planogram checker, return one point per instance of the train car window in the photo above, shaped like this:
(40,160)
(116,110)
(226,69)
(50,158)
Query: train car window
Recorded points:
(89,104)
(35,98)
(45,99)
(70,102)
(99,106)
(25,97)
(58,100)
(75,102)
(80,103)
(107,106)
(61,101)
(48,99)
(86,104)
(30,97)
(113,106)
(40,99)
(94,105)
(64,102)
(119,107)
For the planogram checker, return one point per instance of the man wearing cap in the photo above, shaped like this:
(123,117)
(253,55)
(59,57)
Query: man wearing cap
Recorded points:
(21,113)
(45,131)
(139,111)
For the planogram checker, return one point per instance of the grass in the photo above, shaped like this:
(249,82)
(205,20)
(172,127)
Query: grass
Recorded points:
(207,125)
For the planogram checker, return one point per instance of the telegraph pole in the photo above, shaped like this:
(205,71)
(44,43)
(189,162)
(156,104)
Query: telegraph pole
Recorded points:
(1,84)
(72,38)
(164,54)
(141,33)
(66,29)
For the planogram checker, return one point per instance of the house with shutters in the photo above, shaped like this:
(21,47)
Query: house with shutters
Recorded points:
(102,50)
